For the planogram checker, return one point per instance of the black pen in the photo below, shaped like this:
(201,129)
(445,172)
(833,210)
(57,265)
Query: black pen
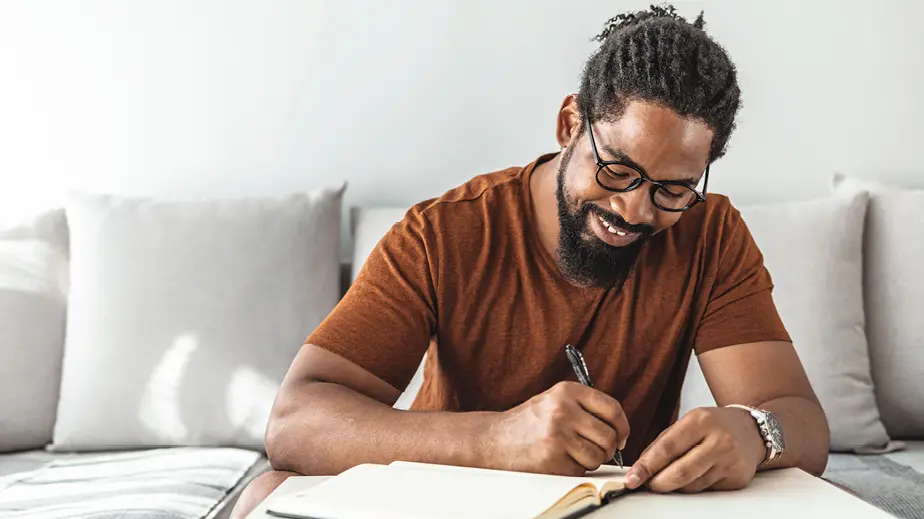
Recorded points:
(580,369)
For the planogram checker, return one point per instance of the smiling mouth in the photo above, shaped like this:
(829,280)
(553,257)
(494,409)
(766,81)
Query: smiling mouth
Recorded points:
(613,230)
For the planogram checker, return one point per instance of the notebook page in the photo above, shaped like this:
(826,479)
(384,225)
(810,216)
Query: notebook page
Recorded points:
(400,492)
(773,494)
(605,474)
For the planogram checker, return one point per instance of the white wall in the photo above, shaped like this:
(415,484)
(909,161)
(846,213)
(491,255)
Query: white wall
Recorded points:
(406,99)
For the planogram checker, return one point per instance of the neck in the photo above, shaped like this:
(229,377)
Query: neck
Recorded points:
(542,187)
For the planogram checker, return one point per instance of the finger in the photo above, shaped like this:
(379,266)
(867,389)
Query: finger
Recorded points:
(598,432)
(684,470)
(705,482)
(609,410)
(586,453)
(674,443)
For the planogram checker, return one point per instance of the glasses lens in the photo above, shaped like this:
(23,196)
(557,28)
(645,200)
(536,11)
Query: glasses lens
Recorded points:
(616,177)
(674,197)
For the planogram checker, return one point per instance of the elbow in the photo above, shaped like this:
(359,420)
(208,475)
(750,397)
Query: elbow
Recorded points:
(274,441)
(821,462)
(817,464)
(283,434)
(818,468)
(284,445)
(817,461)
(289,429)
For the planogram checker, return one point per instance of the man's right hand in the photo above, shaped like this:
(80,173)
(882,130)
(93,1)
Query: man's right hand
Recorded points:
(568,430)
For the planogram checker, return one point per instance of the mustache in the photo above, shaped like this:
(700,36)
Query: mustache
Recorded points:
(617,221)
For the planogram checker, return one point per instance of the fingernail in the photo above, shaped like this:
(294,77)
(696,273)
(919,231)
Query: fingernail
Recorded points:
(632,480)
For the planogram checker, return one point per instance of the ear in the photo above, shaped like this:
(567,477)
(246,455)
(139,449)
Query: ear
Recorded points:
(568,126)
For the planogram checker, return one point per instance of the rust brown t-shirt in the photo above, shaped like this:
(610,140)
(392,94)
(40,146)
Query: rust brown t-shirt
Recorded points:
(465,278)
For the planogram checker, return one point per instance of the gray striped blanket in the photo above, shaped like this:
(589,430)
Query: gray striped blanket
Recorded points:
(170,483)
(894,487)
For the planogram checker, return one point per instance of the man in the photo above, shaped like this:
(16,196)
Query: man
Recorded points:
(610,245)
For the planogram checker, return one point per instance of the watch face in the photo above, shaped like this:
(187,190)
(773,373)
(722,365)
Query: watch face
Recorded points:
(775,432)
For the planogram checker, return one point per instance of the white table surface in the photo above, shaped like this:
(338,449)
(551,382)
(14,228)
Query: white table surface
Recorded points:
(289,486)
(772,495)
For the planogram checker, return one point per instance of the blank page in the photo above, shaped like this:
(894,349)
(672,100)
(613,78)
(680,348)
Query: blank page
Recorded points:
(600,477)
(404,492)
(774,494)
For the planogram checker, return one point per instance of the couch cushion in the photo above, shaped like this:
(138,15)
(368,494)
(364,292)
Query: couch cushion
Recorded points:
(894,292)
(33,304)
(184,316)
(178,483)
(813,252)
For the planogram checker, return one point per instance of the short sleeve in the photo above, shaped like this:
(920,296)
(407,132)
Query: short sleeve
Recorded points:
(386,319)
(740,307)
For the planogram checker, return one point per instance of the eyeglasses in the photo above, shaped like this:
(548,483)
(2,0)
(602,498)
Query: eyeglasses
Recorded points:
(621,177)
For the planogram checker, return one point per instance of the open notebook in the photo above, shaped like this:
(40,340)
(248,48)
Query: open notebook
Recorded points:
(415,491)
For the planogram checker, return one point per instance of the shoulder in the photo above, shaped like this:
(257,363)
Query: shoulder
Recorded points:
(445,230)
(479,191)
(480,198)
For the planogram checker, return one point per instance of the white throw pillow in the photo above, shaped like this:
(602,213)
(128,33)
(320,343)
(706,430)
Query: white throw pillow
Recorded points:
(894,292)
(33,306)
(184,316)
(813,252)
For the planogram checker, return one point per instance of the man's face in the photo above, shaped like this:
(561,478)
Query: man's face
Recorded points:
(601,232)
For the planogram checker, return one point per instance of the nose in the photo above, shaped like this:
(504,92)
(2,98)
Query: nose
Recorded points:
(635,206)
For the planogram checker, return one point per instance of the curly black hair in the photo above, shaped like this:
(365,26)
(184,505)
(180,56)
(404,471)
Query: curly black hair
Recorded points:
(658,56)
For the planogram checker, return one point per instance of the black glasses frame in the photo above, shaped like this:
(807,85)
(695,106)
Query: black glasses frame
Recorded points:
(659,184)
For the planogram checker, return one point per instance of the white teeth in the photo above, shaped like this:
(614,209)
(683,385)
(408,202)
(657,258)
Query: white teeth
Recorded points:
(611,228)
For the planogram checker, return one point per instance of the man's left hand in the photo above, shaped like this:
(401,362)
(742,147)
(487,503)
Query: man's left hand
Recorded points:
(710,448)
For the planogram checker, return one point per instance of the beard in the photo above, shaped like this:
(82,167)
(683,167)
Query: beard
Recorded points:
(584,259)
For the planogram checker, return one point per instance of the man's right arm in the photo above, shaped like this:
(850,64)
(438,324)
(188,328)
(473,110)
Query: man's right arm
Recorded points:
(331,414)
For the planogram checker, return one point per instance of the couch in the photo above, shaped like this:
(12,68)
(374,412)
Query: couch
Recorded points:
(142,340)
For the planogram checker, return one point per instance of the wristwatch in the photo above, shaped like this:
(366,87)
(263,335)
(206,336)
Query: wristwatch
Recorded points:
(769,429)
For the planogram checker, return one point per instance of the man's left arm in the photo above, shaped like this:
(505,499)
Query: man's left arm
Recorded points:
(721,447)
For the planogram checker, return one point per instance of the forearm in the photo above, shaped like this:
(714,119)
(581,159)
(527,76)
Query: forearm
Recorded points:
(329,428)
(806,433)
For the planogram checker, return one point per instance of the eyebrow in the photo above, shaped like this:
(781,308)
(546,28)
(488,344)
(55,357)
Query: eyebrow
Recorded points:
(623,157)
